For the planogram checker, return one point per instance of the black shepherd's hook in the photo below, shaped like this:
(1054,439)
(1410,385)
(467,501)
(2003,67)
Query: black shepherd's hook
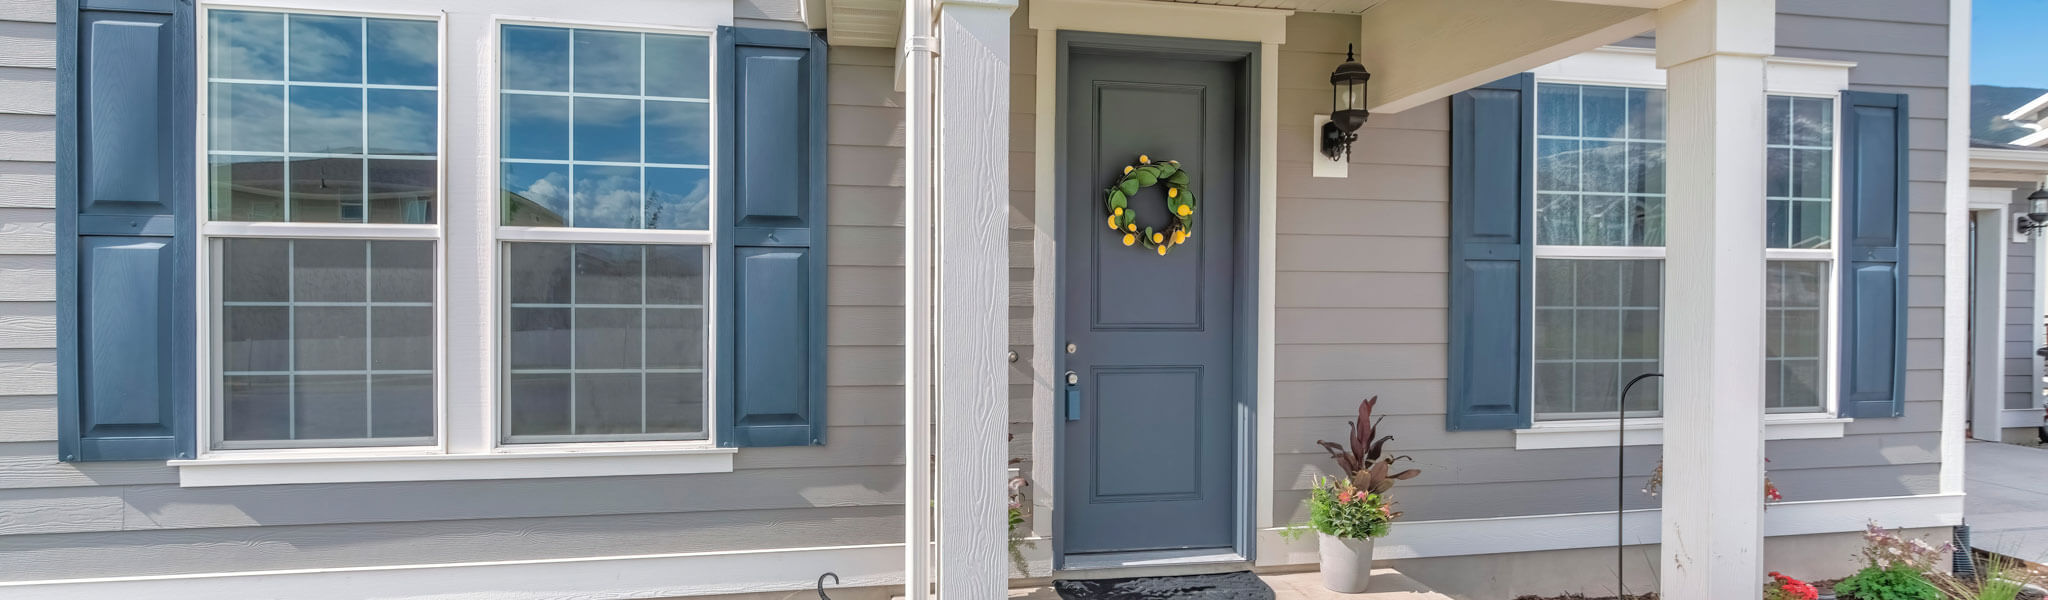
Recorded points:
(821,584)
(1621,482)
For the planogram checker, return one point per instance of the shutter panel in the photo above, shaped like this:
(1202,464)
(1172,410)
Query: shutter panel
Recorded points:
(1873,280)
(125,202)
(771,238)
(1493,141)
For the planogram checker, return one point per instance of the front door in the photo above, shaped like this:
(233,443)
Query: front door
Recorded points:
(1150,457)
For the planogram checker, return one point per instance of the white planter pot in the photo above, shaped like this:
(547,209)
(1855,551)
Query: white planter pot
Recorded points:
(1347,563)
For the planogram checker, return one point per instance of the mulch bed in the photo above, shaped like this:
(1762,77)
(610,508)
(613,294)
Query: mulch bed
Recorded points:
(1826,588)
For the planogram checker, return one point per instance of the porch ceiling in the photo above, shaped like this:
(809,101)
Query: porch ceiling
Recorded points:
(1418,50)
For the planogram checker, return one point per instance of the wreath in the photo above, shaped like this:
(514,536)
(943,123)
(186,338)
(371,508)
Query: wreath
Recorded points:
(1179,200)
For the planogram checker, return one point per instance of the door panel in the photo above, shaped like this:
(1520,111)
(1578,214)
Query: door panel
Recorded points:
(1150,462)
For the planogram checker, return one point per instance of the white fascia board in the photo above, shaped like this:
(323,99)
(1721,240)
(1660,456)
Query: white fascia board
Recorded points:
(2027,110)
(1198,21)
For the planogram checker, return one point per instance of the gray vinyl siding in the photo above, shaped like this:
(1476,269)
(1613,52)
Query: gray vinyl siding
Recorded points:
(1362,308)
(60,521)
(2023,320)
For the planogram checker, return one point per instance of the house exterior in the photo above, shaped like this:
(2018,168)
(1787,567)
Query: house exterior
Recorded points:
(667,298)
(2007,328)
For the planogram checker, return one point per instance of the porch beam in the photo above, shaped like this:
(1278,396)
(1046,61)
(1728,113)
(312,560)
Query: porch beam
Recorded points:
(1422,50)
(972,296)
(1714,52)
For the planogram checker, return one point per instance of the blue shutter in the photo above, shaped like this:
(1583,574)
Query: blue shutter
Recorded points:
(1493,142)
(125,205)
(771,238)
(1874,205)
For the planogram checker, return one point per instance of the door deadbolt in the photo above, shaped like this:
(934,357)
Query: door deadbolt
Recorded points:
(1071,348)
(1073,379)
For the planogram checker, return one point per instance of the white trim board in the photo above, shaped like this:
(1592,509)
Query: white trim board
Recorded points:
(2013,418)
(1650,431)
(1195,21)
(792,569)
(272,469)
(1429,539)
(1955,324)
(646,576)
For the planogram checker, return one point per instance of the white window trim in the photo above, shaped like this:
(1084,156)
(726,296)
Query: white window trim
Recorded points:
(465,442)
(1637,67)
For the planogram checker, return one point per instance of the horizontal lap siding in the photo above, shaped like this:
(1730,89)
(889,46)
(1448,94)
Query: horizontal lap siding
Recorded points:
(1362,306)
(131,518)
(2022,319)
(1899,46)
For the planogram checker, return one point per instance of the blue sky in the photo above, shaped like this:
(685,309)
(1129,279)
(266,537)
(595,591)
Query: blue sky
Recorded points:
(2009,43)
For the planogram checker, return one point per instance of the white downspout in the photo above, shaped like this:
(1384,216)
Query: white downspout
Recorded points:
(916,59)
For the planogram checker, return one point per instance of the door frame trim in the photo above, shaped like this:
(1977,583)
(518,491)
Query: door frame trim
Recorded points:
(1252,356)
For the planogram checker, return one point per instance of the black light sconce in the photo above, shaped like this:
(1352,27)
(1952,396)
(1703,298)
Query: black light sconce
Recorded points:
(2038,217)
(1347,106)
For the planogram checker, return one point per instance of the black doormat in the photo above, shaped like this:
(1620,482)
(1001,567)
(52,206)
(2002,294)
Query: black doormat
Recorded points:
(1241,585)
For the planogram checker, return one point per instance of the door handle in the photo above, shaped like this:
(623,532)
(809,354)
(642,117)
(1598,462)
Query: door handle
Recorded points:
(1073,396)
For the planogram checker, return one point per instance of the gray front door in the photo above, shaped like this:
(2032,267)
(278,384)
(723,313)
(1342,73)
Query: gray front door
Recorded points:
(1149,460)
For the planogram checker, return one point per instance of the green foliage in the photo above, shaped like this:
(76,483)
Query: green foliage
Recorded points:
(1887,583)
(1338,509)
(1998,578)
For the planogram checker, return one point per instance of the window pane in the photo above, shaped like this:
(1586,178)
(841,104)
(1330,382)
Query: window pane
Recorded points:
(606,341)
(313,347)
(1801,169)
(625,145)
(1598,324)
(325,49)
(322,148)
(1796,295)
(1605,144)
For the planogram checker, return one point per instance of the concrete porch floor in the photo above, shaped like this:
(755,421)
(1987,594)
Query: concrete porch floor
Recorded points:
(2007,506)
(1387,584)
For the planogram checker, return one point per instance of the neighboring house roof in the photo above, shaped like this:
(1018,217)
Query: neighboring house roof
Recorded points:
(2033,116)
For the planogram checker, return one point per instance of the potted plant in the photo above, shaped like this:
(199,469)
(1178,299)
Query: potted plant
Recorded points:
(1351,511)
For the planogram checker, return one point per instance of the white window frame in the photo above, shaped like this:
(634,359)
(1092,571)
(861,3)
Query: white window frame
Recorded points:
(1637,67)
(466,442)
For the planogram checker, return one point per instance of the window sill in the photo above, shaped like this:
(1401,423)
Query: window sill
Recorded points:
(291,468)
(1650,432)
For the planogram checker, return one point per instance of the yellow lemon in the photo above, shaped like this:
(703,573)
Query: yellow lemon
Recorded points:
(1112,223)
(1162,250)
(1180,237)
(1186,210)
(1156,238)
(1132,227)
(1173,192)
(1127,169)
(1144,159)
(1119,211)
(1130,239)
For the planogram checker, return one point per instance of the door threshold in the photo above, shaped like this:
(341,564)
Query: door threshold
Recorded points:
(1152,563)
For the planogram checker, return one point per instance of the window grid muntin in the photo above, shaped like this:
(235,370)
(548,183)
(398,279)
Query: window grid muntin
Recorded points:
(285,85)
(291,341)
(1626,367)
(1554,252)
(1777,336)
(215,232)
(508,235)
(641,98)
(1793,149)
(1636,132)
(509,372)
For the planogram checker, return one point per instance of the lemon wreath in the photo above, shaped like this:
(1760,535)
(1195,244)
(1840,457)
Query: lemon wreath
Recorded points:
(1179,200)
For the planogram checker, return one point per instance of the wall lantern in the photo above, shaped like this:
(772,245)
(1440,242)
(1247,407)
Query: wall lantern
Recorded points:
(1347,106)
(2038,217)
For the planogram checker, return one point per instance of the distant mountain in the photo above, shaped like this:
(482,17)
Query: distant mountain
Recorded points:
(1989,103)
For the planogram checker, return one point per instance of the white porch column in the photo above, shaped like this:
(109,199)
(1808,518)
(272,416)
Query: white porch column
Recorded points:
(1714,53)
(972,217)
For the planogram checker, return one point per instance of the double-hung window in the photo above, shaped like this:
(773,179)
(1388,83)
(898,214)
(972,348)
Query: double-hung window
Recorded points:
(1599,249)
(322,239)
(605,137)
(1800,254)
